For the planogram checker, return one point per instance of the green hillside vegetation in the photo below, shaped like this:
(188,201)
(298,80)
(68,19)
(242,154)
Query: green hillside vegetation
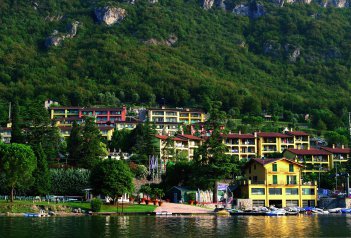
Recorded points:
(218,56)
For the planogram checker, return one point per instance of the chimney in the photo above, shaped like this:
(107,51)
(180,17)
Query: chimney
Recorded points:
(239,132)
(255,134)
(291,129)
(342,146)
(333,146)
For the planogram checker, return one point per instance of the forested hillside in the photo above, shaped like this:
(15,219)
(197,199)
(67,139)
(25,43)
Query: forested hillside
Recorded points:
(292,60)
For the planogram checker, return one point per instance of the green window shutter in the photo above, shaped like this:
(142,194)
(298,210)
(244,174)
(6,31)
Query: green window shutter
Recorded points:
(291,168)
(275,179)
(287,179)
(274,167)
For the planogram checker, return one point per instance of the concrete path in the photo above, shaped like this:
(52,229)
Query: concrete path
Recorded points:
(176,208)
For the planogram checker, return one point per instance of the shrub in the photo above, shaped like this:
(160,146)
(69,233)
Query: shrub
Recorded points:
(96,205)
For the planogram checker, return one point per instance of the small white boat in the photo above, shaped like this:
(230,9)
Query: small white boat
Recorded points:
(277,212)
(334,210)
(163,213)
(319,211)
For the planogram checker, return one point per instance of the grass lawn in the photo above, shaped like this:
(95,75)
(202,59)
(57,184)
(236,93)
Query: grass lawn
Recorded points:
(29,206)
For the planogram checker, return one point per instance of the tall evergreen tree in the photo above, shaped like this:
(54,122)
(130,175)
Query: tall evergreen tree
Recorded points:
(41,174)
(211,156)
(74,143)
(41,132)
(92,149)
(16,133)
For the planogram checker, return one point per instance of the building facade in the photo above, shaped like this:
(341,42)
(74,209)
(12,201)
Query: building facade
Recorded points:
(176,115)
(339,156)
(277,182)
(273,142)
(242,145)
(314,160)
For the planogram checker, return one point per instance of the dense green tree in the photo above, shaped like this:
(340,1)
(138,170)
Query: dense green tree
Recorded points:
(41,174)
(41,132)
(69,182)
(91,149)
(74,144)
(121,140)
(16,133)
(17,163)
(112,178)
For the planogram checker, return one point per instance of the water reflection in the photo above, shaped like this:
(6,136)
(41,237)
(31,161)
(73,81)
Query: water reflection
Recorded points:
(176,226)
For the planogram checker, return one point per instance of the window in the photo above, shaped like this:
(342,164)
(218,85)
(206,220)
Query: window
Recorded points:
(257,191)
(308,191)
(292,191)
(275,179)
(291,168)
(291,179)
(292,203)
(274,167)
(308,203)
(258,203)
(275,191)
(255,178)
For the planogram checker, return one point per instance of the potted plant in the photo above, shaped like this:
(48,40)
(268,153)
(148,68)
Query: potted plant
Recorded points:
(146,190)
(191,197)
(131,199)
(160,203)
(147,201)
(155,202)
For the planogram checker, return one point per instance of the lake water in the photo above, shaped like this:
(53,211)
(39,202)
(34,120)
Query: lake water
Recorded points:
(177,226)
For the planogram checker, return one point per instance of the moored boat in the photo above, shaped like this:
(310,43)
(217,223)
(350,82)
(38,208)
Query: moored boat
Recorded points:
(334,210)
(277,212)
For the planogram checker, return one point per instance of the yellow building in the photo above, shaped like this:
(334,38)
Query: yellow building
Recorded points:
(277,182)
(242,145)
(175,115)
(177,146)
(190,116)
(106,131)
(339,155)
(272,142)
(64,112)
(301,139)
(314,160)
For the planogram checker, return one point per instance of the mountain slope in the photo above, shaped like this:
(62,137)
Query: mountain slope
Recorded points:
(248,64)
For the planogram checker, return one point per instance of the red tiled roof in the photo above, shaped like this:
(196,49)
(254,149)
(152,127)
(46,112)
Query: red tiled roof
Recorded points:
(162,137)
(268,161)
(103,109)
(239,136)
(297,133)
(308,152)
(337,150)
(66,108)
(65,128)
(272,134)
(190,137)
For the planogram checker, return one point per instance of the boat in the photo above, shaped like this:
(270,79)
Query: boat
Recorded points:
(292,211)
(319,211)
(334,210)
(32,214)
(277,212)
(163,213)
(346,210)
